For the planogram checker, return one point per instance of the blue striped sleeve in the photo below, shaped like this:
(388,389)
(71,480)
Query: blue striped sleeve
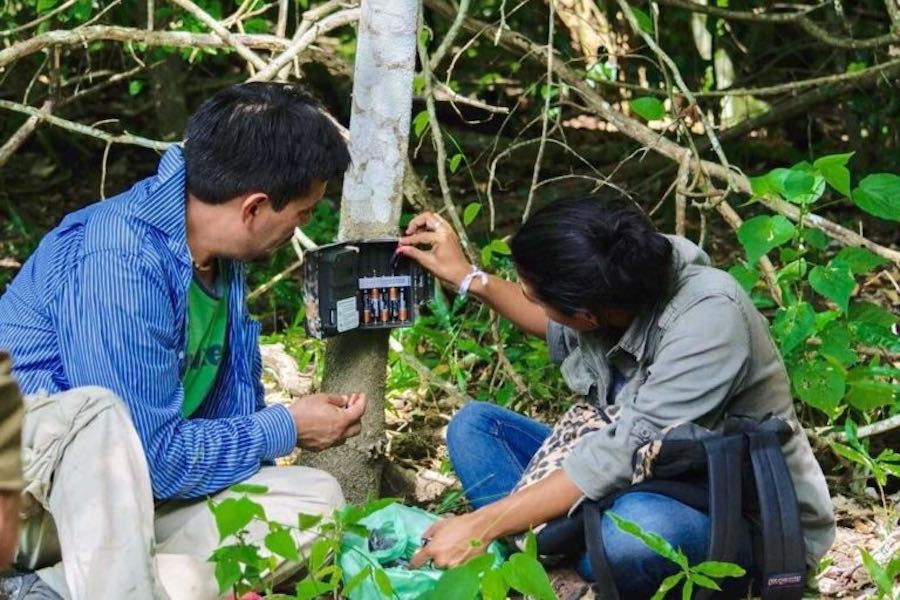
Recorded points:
(115,324)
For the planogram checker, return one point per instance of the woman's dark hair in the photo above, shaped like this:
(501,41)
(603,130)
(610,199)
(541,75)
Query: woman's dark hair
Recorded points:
(586,254)
(261,137)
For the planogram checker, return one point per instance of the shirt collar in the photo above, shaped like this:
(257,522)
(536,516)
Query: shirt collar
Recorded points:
(163,206)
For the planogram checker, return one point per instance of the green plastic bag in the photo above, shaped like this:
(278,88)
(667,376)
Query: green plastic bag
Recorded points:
(395,534)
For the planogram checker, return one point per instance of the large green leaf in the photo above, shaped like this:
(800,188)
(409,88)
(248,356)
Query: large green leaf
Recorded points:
(879,195)
(820,385)
(793,325)
(836,343)
(763,233)
(460,583)
(717,569)
(745,276)
(835,172)
(493,586)
(803,187)
(834,282)
(869,394)
(234,514)
(281,542)
(648,107)
(526,575)
(859,260)
(866,312)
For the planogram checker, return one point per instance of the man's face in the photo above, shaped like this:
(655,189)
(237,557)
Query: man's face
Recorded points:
(267,229)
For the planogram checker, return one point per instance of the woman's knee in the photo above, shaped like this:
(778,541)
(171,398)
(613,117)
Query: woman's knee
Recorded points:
(472,419)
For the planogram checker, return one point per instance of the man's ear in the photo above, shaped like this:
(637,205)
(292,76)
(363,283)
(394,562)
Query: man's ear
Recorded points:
(251,204)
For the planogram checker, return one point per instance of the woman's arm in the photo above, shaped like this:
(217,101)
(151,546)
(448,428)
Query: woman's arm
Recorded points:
(445,260)
(455,540)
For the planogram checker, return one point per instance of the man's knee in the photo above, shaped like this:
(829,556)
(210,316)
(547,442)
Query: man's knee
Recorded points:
(306,483)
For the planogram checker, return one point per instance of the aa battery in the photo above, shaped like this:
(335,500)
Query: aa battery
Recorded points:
(402,313)
(384,306)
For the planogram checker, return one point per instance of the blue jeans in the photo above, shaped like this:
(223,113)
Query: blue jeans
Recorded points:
(490,447)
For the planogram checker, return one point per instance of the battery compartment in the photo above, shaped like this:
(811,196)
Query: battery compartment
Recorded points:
(362,285)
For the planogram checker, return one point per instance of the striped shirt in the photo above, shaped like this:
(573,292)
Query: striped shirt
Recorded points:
(103,301)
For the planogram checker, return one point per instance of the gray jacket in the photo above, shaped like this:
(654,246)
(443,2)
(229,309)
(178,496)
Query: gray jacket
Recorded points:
(704,352)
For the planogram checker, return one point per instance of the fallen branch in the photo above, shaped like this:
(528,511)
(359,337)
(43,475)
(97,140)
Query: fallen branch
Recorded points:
(204,17)
(880,427)
(18,138)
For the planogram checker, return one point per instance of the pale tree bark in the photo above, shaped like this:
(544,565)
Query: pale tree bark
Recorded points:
(372,198)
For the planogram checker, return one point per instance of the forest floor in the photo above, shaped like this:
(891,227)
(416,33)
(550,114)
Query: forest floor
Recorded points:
(419,473)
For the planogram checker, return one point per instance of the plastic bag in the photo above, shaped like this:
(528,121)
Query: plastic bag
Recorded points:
(395,534)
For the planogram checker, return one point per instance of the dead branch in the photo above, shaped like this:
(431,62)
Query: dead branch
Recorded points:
(18,138)
(204,17)
(545,117)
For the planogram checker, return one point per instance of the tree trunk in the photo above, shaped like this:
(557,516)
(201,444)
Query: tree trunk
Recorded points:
(372,198)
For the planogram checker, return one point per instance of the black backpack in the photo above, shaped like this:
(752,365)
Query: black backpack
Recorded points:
(738,472)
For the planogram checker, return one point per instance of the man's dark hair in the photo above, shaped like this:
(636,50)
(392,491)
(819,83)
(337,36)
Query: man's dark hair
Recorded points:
(586,254)
(261,137)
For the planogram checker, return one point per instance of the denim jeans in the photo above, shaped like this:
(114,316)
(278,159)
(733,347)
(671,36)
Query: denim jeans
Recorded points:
(490,447)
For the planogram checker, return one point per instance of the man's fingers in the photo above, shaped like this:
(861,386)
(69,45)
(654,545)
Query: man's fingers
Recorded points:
(352,431)
(356,408)
(338,399)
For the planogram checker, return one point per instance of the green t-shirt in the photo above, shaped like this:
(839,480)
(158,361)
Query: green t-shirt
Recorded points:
(207,323)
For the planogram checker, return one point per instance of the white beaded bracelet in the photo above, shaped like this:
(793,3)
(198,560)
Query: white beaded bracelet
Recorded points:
(466,283)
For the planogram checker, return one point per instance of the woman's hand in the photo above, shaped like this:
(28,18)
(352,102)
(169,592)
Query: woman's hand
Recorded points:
(451,542)
(444,258)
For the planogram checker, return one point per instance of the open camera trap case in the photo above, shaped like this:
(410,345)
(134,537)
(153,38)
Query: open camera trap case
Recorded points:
(362,284)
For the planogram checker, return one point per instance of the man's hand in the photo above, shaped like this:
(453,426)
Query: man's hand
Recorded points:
(9,526)
(324,420)
(451,542)
(444,258)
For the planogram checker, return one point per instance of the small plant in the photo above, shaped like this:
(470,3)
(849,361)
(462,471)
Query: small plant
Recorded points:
(884,577)
(704,574)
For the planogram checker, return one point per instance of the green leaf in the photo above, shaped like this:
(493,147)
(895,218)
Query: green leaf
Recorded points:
(531,544)
(307,589)
(493,586)
(471,212)
(763,233)
(643,19)
(877,573)
(802,188)
(384,583)
(249,488)
(459,583)
(835,172)
(717,569)
(500,247)
(282,543)
(45,5)
(820,385)
(850,454)
(305,522)
(135,86)
(652,109)
(866,312)
(815,238)
(667,585)
(834,282)
(687,592)
(879,195)
(356,580)
(747,277)
(486,256)
(420,123)
(859,260)
(228,573)
(869,394)
(704,581)
(526,575)
(234,514)
(793,325)
(836,343)
(655,542)
(454,162)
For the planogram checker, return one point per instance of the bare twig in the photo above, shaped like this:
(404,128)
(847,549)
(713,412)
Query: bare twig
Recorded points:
(274,280)
(204,17)
(883,426)
(437,138)
(281,24)
(444,93)
(333,21)
(45,17)
(799,18)
(126,138)
(21,135)
(545,115)
(448,40)
(681,186)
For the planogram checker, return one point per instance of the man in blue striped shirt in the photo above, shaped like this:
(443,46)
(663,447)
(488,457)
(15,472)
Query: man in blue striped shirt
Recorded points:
(130,335)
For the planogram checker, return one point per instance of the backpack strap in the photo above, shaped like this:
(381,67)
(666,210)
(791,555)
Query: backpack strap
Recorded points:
(783,560)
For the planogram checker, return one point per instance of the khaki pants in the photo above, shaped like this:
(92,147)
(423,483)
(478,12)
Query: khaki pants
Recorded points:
(90,527)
